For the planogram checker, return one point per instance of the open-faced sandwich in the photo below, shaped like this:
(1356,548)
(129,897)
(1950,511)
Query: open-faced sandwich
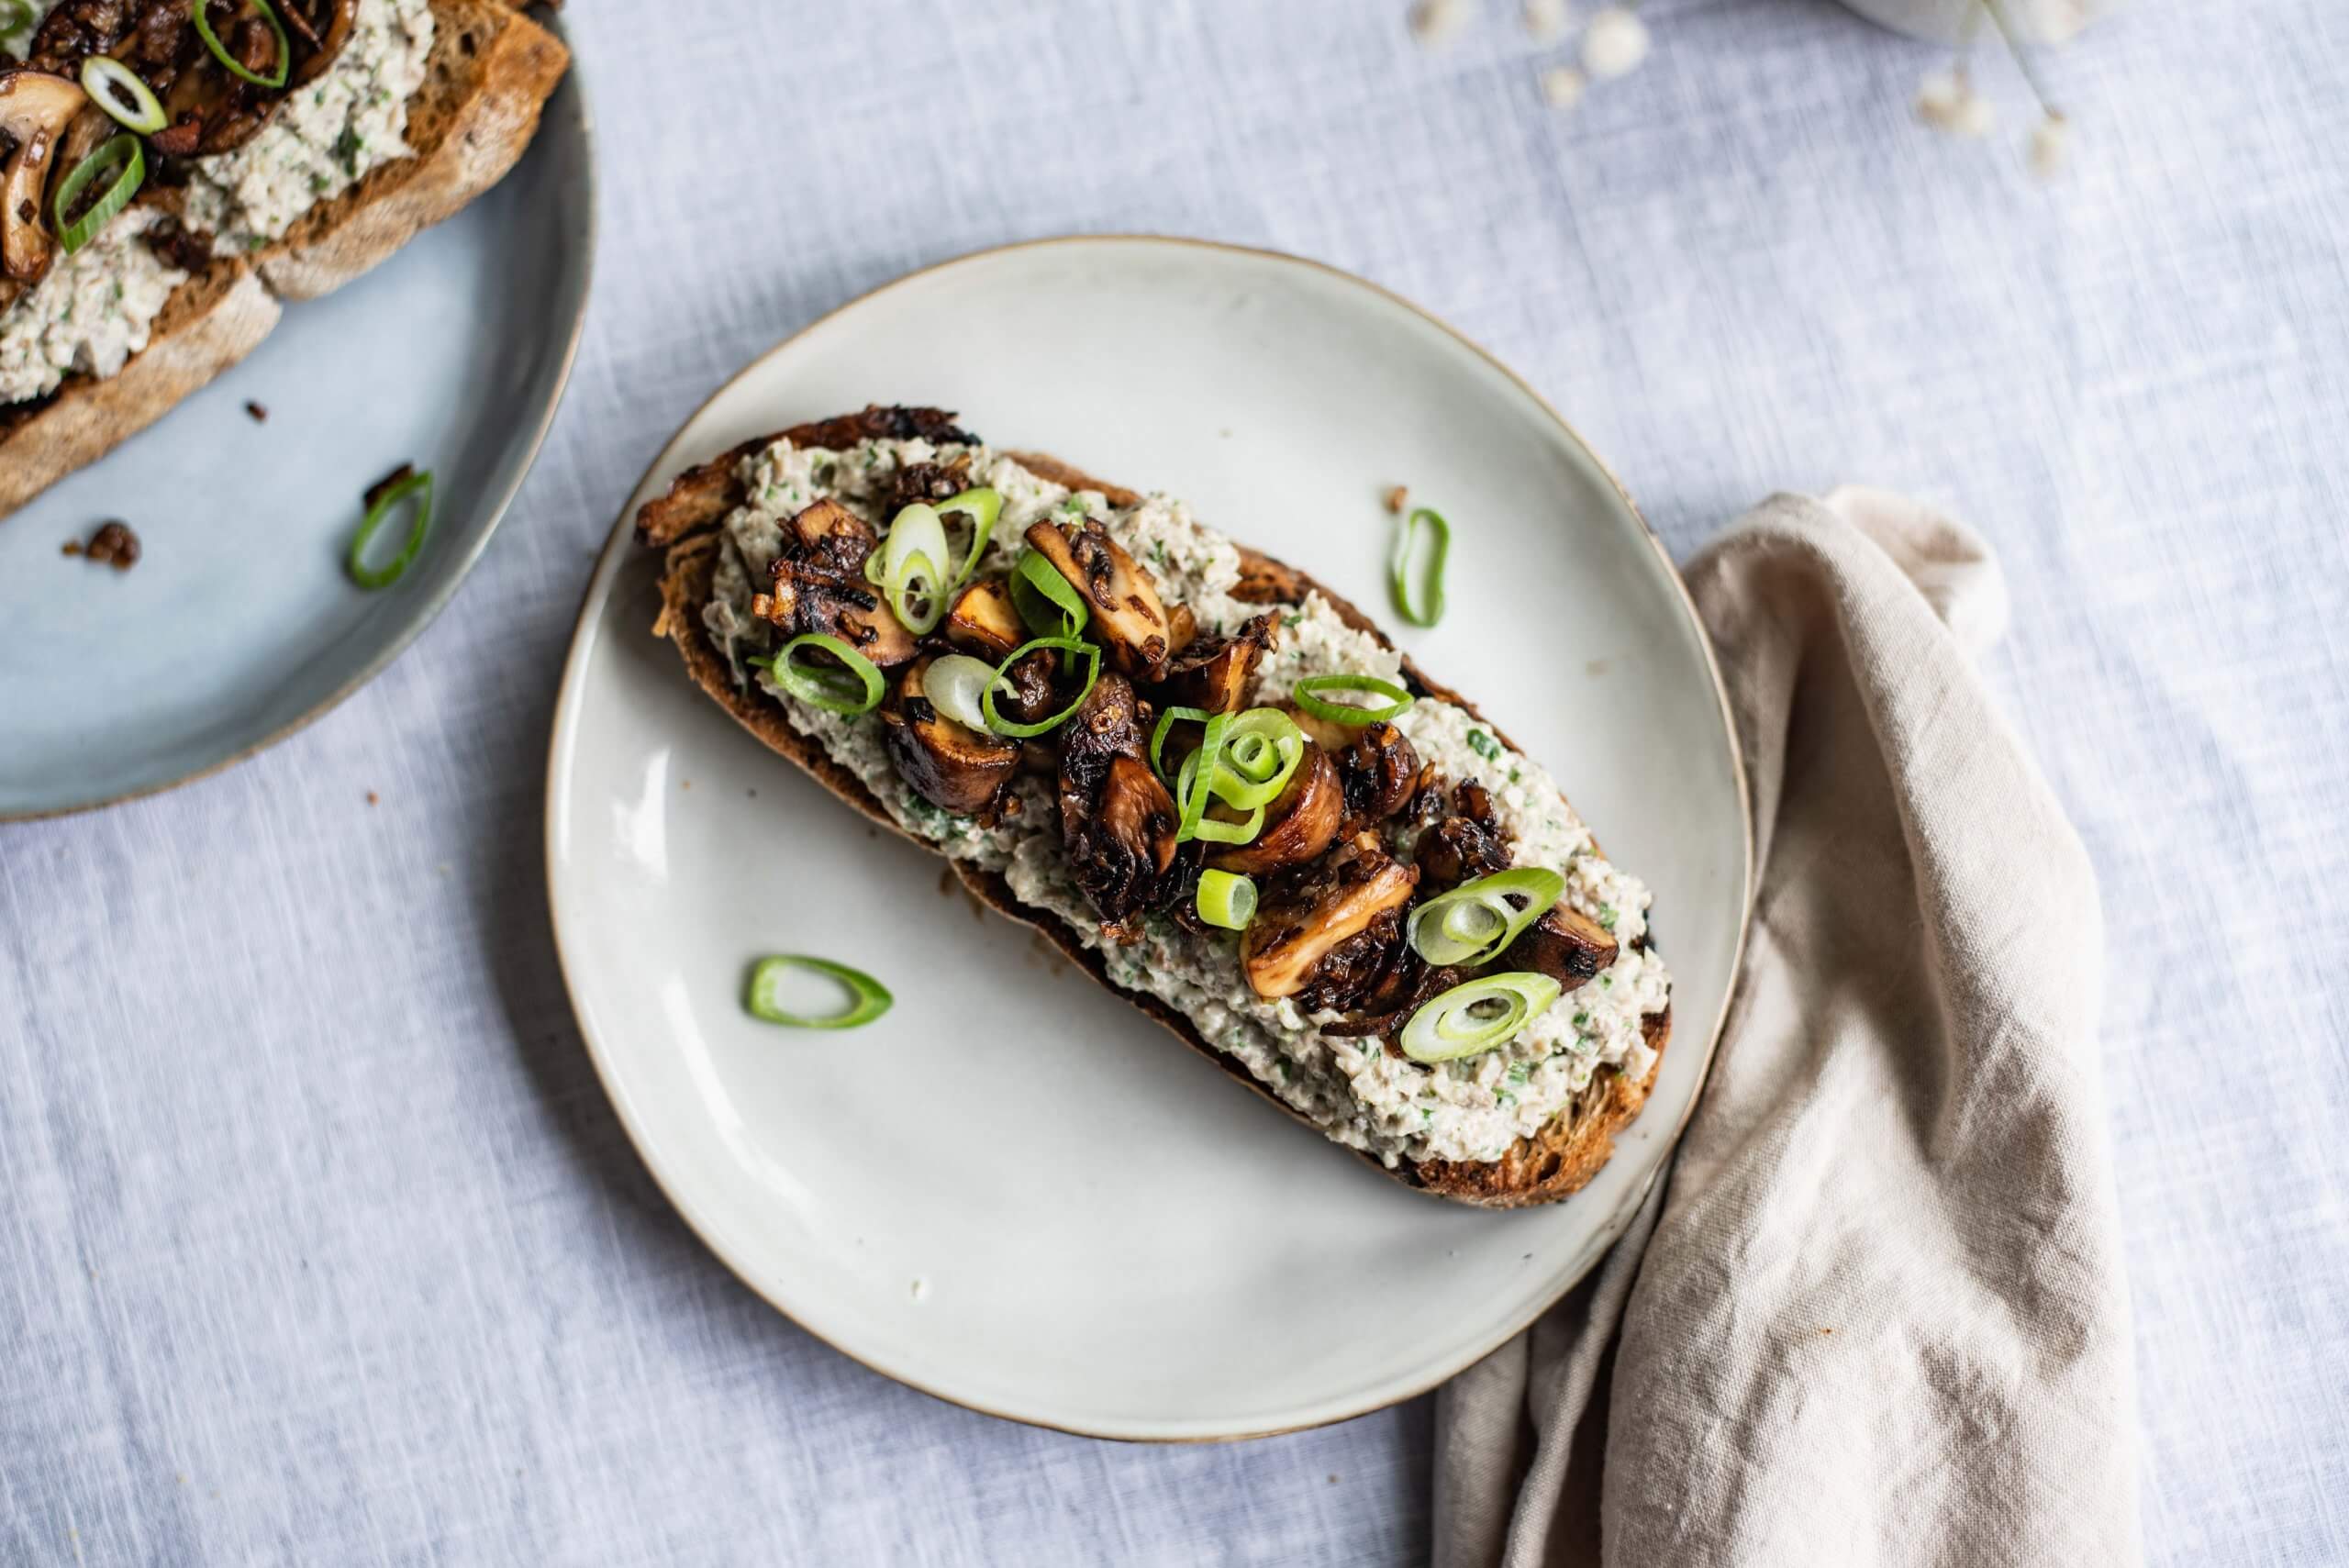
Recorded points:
(1213,784)
(174,170)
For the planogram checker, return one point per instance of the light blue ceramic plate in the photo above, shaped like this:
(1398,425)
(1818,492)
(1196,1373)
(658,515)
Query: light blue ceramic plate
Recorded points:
(239,625)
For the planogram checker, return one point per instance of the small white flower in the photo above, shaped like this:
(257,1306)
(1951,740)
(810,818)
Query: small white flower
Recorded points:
(1546,20)
(1614,44)
(1561,86)
(2051,146)
(1947,101)
(1939,95)
(1436,23)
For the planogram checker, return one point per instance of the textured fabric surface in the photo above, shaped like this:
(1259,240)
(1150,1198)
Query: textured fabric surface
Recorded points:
(1875,1314)
(319,1242)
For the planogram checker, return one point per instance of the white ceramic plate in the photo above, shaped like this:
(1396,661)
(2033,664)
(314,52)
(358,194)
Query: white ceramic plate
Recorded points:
(1016,1191)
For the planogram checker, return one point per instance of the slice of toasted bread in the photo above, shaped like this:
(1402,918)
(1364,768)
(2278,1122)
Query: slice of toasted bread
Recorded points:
(486,82)
(487,79)
(211,321)
(1541,1168)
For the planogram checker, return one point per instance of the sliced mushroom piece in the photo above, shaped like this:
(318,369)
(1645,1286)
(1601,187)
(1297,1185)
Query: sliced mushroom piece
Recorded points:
(951,765)
(1118,822)
(1565,944)
(90,129)
(926,482)
(1217,677)
(1182,627)
(985,622)
(1299,825)
(35,110)
(1378,771)
(75,29)
(1305,919)
(1466,841)
(1026,696)
(1128,615)
(817,584)
(326,35)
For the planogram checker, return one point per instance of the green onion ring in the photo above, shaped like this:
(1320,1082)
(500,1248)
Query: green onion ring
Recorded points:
(220,50)
(1454,1024)
(999,725)
(1194,801)
(913,574)
(984,505)
(956,685)
(1199,770)
(125,150)
(109,82)
(15,15)
(1035,579)
(1167,718)
(1476,922)
(1260,754)
(1398,567)
(868,998)
(1215,829)
(1226,899)
(827,692)
(1306,698)
(377,510)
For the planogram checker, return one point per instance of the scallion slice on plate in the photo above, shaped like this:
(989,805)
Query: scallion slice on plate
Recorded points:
(868,998)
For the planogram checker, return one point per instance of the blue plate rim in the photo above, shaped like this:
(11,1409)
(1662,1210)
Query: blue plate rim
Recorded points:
(428,610)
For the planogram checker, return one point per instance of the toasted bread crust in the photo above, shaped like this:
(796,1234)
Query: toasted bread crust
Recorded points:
(210,322)
(1543,1168)
(486,83)
(489,76)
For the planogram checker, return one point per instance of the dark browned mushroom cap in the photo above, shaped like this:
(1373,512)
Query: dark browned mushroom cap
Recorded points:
(1128,615)
(1466,843)
(817,584)
(1305,915)
(1565,944)
(75,29)
(931,482)
(948,764)
(1118,822)
(1027,696)
(983,621)
(1377,771)
(210,108)
(1299,825)
(35,108)
(1216,676)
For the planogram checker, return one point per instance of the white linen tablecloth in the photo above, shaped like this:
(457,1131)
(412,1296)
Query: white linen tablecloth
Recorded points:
(319,1242)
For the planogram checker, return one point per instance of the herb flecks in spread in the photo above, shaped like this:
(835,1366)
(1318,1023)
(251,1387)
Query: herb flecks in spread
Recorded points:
(94,309)
(326,136)
(1370,821)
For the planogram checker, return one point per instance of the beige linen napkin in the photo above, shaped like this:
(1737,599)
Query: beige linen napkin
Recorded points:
(1874,1313)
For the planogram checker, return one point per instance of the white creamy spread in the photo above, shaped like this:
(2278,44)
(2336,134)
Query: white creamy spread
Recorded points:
(92,312)
(1364,1094)
(324,137)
